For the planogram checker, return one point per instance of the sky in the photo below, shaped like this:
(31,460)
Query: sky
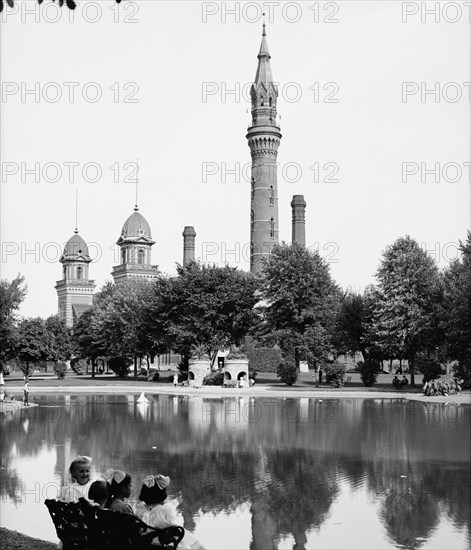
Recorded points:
(374,105)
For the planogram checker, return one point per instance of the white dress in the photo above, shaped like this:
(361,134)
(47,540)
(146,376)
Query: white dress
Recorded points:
(162,516)
(71,492)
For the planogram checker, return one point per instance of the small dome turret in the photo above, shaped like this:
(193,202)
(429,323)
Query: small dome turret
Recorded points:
(135,227)
(76,249)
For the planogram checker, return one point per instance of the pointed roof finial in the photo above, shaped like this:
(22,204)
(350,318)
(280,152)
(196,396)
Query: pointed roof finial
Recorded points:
(76,210)
(136,208)
(264,46)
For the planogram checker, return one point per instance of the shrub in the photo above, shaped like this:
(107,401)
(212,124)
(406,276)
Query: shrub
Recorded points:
(429,367)
(79,366)
(264,359)
(236,352)
(462,371)
(60,369)
(334,373)
(214,379)
(120,365)
(368,372)
(287,371)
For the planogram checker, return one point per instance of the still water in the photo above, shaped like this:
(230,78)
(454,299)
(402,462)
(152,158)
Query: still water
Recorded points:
(258,473)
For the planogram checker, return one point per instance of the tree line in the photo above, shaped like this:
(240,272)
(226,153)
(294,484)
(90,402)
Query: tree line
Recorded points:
(415,311)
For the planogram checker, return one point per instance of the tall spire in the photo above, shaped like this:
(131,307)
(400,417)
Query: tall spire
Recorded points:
(264,70)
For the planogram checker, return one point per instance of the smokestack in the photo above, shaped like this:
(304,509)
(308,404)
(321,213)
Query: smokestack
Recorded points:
(189,235)
(298,207)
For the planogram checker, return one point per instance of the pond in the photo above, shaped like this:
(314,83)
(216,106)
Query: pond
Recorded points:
(257,473)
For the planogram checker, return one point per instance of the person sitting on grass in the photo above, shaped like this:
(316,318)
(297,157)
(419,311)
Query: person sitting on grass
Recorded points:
(119,488)
(396,382)
(153,510)
(80,473)
(404,382)
(98,492)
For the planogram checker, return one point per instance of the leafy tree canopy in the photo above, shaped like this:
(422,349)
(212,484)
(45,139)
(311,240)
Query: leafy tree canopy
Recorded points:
(69,3)
(207,305)
(405,316)
(301,300)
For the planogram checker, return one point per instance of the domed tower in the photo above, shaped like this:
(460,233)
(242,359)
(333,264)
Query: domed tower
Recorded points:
(263,137)
(135,245)
(75,290)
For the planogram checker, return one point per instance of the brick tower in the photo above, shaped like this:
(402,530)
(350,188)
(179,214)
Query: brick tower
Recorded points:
(75,289)
(263,137)
(298,210)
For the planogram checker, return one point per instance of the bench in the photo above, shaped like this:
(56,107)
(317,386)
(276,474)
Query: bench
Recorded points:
(84,526)
(230,384)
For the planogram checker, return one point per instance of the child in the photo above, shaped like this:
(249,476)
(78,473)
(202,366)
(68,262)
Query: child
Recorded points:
(98,492)
(153,510)
(26,393)
(119,488)
(80,474)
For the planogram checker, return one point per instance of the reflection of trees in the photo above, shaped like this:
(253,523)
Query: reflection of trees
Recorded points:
(303,486)
(287,466)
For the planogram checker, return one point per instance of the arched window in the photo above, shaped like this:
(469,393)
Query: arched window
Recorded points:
(64,272)
(79,272)
(272,196)
(272,228)
(251,252)
(261,100)
(252,220)
(252,183)
(269,102)
(123,256)
(140,256)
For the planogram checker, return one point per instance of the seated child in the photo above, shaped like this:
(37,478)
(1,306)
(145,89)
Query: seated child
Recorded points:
(119,488)
(98,492)
(153,510)
(80,474)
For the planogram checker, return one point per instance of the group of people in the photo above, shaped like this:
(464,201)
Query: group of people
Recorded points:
(113,489)
(440,386)
(400,384)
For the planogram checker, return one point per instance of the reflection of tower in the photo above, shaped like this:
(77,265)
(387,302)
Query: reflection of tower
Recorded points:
(75,289)
(189,235)
(135,244)
(263,139)
(298,209)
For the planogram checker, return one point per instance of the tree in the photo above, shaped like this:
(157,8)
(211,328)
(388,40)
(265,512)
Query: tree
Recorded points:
(300,302)
(11,295)
(207,305)
(353,323)
(456,310)
(405,316)
(70,3)
(33,344)
(85,336)
(60,343)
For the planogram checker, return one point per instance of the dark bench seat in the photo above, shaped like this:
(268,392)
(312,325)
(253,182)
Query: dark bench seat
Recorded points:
(83,526)
(230,384)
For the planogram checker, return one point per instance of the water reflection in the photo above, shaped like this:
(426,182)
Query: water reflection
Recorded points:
(283,462)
